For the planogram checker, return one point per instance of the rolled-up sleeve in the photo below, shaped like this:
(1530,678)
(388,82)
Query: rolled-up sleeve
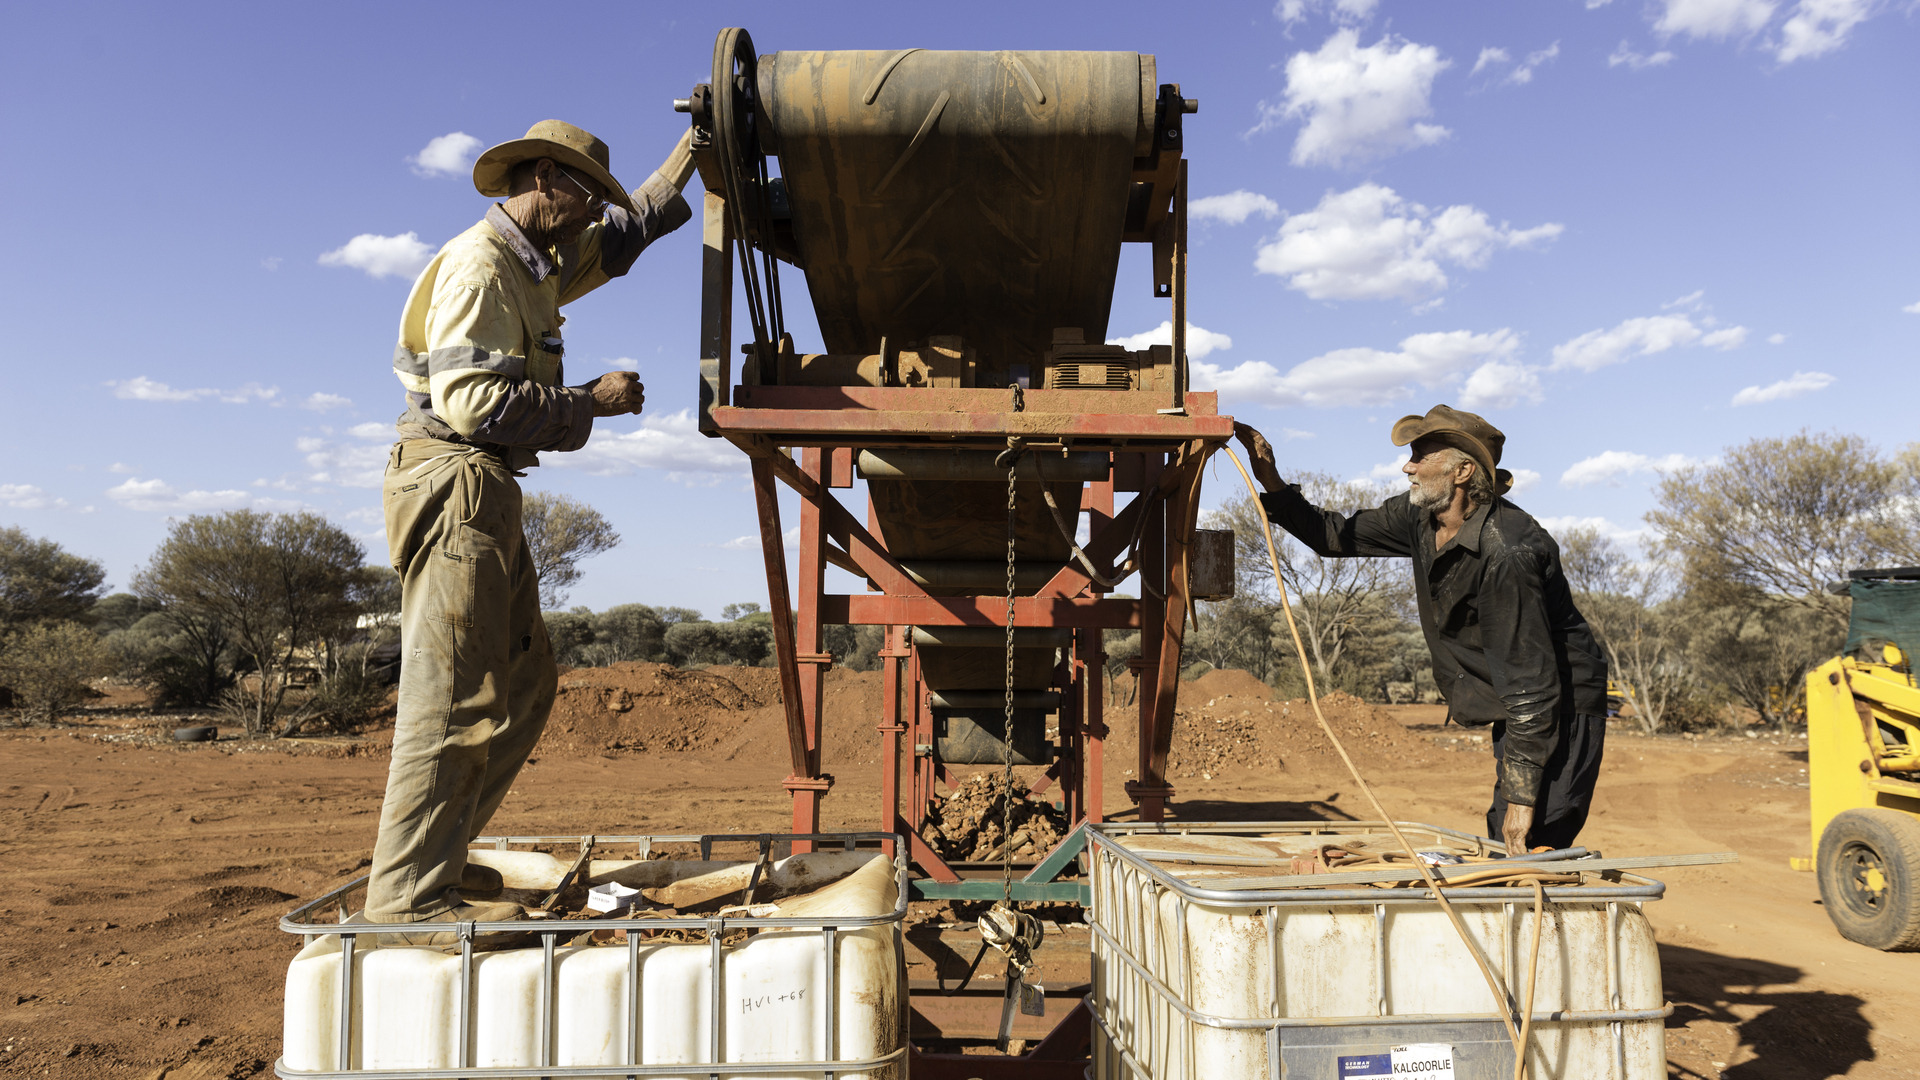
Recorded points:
(1517,636)
(476,377)
(1385,531)
(609,248)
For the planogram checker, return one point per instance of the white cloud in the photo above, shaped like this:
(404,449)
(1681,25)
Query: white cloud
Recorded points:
(1713,18)
(1344,12)
(1288,434)
(1200,341)
(1361,376)
(1497,385)
(1818,27)
(1799,383)
(752,543)
(271,263)
(28,497)
(1233,208)
(623,363)
(1776,339)
(1913,308)
(1386,470)
(1556,526)
(1641,336)
(320,402)
(1731,337)
(141,388)
(1625,54)
(451,154)
(1358,103)
(1522,73)
(121,469)
(1522,480)
(1371,244)
(381,256)
(671,442)
(158,495)
(1609,467)
(1488,56)
(1691,301)
(349,464)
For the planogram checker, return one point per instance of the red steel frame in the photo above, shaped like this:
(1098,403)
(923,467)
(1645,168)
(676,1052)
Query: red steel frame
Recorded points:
(1159,443)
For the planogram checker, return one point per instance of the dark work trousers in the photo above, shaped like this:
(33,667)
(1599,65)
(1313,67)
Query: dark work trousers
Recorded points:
(1566,791)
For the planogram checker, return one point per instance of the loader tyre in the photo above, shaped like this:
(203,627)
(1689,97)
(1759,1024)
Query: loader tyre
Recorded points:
(1869,871)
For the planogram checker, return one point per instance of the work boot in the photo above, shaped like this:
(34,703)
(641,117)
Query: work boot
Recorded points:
(479,882)
(436,931)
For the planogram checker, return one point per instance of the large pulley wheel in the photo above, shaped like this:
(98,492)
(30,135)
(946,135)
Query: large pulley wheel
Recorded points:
(1869,870)
(738,125)
(736,114)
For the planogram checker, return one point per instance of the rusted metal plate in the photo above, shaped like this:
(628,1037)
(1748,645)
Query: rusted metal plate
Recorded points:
(1210,564)
(807,427)
(1111,613)
(918,400)
(978,194)
(966,520)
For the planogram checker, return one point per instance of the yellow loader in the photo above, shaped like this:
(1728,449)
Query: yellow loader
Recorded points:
(1863,765)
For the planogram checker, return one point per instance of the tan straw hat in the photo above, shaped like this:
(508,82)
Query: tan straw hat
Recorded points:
(567,145)
(1463,431)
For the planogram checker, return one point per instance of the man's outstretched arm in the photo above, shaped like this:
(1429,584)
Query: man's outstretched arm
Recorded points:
(1387,530)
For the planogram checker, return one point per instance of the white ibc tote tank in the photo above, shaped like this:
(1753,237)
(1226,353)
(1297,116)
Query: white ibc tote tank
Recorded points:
(824,995)
(1199,983)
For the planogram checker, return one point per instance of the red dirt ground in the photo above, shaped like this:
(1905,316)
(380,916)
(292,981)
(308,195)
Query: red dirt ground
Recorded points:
(140,880)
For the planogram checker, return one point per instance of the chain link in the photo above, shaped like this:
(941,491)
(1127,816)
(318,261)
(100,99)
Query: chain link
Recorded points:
(1006,728)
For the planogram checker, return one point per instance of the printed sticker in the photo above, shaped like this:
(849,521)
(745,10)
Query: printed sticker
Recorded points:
(1419,1061)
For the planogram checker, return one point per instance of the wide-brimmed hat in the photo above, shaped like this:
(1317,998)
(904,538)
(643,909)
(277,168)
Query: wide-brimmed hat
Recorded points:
(565,144)
(1464,431)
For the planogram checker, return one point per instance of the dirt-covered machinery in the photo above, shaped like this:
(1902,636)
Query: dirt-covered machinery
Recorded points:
(1863,765)
(959,217)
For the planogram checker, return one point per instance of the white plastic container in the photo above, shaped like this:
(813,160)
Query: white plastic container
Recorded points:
(816,985)
(1196,983)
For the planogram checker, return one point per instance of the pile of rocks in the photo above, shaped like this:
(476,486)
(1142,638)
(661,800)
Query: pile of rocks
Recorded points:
(966,825)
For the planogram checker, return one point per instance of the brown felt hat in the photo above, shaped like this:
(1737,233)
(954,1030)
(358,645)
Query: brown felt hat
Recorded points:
(1462,430)
(567,145)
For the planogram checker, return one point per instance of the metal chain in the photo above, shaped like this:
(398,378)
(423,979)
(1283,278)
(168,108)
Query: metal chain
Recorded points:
(1006,728)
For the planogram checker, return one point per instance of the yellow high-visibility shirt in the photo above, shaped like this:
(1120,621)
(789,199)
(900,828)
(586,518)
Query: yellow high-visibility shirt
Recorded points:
(480,352)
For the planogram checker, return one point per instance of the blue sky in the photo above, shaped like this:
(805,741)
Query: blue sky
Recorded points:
(1631,233)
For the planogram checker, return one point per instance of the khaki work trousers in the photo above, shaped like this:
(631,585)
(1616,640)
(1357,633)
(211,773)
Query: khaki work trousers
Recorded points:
(477,676)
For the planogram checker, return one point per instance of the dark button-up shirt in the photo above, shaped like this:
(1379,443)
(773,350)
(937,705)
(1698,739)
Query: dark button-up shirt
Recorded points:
(1508,644)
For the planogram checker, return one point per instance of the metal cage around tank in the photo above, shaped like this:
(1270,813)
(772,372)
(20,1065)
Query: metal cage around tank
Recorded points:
(305,922)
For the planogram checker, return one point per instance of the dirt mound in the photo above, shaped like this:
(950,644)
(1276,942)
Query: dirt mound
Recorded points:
(727,712)
(224,897)
(965,826)
(1228,720)
(1223,683)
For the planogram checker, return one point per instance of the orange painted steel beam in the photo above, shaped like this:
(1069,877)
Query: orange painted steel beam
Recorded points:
(872,610)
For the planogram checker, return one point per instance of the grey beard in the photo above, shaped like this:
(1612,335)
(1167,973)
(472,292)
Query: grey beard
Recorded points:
(1432,496)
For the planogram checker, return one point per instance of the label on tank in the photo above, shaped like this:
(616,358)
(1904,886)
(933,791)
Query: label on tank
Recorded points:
(1418,1061)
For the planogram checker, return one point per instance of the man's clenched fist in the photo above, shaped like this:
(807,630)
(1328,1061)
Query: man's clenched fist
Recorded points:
(617,393)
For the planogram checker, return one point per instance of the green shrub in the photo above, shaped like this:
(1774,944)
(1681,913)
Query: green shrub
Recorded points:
(47,667)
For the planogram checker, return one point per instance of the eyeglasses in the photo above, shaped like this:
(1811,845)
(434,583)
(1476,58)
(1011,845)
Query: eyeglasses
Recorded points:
(596,206)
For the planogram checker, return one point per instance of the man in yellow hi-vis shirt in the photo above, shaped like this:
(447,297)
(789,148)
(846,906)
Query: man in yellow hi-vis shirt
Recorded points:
(481,358)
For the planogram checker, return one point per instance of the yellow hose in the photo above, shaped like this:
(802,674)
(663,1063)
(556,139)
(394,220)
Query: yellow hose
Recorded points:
(1518,1036)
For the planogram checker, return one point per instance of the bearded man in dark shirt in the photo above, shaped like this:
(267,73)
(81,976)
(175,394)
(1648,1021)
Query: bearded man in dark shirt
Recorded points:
(1509,648)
